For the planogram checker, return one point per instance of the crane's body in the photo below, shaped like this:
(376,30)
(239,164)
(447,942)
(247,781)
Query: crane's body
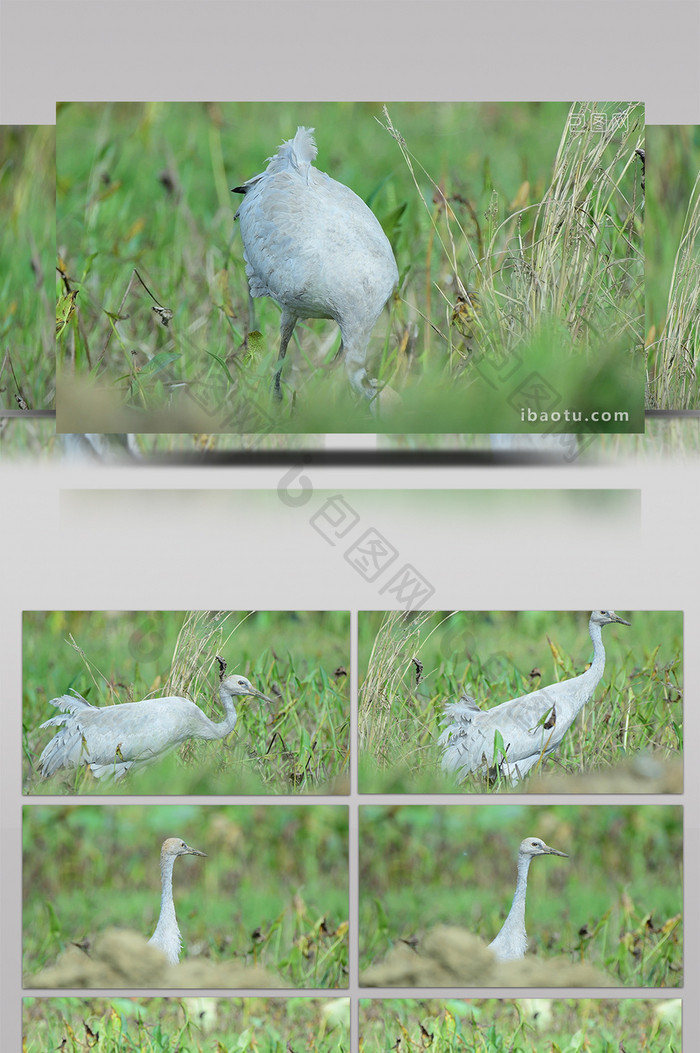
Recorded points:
(106,448)
(111,740)
(530,727)
(167,935)
(313,246)
(511,942)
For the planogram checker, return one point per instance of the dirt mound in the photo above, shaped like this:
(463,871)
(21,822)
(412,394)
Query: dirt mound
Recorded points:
(452,957)
(120,958)
(643,773)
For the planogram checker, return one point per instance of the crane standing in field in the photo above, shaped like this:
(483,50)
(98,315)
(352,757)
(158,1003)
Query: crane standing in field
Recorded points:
(167,935)
(515,735)
(315,247)
(511,942)
(111,740)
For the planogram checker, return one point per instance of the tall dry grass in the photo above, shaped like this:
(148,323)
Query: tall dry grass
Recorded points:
(672,370)
(574,258)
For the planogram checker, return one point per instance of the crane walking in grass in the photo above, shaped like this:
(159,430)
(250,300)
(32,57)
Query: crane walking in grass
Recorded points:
(313,246)
(111,740)
(512,737)
(167,936)
(511,942)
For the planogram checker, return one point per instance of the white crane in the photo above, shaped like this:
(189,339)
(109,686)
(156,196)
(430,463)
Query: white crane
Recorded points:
(511,942)
(111,740)
(515,735)
(167,935)
(315,247)
(94,448)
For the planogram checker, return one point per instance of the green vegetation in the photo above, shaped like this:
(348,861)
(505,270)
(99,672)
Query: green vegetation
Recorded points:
(188,1025)
(673,267)
(27,248)
(668,437)
(662,437)
(26,437)
(527,1025)
(300,743)
(498,655)
(616,903)
(519,247)
(36,437)
(272,891)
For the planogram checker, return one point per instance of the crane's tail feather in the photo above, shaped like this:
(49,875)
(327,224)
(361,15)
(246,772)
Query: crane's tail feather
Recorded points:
(56,722)
(296,153)
(301,150)
(71,705)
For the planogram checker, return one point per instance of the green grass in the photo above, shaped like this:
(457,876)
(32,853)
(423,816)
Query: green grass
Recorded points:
(270,876)
(493,656)
(667,437)
(36,437)
(615,903)
(672,269)
(27,250)
(300,743)
(23,437)
(189,1025)
(549,241)
(677,437)
(520,1026)
(663,437)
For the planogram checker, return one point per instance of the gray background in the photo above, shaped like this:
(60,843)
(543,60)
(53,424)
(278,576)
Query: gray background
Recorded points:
(354,50)
(79,538)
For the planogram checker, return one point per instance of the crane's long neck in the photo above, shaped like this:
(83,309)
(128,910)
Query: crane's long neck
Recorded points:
(597,666)
(220,729)
(167,922)
(516,914)
(583,686)
(511,942)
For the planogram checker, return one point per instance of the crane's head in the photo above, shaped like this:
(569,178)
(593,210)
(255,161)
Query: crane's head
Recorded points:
(606,617)
(535,846)
(240,685)
(175,846)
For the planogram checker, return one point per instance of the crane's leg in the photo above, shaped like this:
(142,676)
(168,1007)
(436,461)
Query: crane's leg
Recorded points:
(287,324)
(354,348)
(359,381)
(251,312)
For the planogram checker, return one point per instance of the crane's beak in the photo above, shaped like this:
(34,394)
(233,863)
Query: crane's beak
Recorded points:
(259,694)
(621,621)
(555,852)
(194,851)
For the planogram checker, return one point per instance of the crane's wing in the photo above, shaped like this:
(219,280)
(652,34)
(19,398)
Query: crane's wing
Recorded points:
(529,727)
(111,739)
(464,740)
